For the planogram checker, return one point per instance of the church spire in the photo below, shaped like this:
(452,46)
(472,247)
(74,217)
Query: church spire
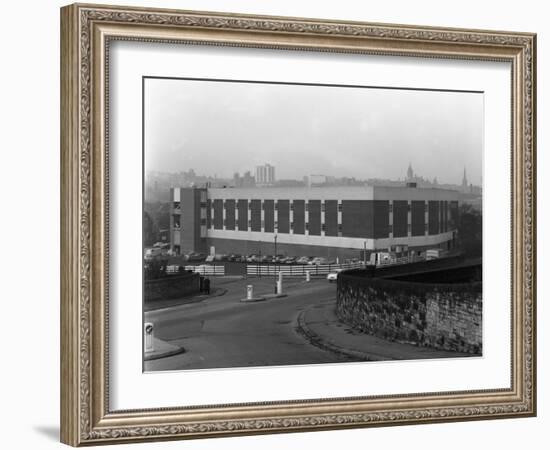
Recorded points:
(410,173)
(464,180)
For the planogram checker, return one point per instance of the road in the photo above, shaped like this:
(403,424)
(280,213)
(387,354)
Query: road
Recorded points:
(225,332)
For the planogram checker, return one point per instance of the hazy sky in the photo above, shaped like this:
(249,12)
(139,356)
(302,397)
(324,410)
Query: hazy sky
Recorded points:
(226,127)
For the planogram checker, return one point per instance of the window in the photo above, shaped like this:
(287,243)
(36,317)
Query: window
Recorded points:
(391,207)
(176,205)
(323,227)
(306,207)
(339,228)
(291,225)
(292,206)
(176,220)
(307,226)
(322,206)
(339,207)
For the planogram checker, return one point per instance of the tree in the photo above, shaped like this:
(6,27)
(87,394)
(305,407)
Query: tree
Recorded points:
(470,230)
(150,230)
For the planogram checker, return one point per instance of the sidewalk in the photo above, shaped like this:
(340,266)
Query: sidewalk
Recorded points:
(320,326)
(162,349)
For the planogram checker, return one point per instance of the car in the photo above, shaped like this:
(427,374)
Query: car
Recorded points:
(303,260)
(152,253)
(289,260)
(333,276)
(195,257)
(317,261)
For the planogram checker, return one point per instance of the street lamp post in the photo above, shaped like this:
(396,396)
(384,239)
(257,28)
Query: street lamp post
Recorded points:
(275,256)
(365,253)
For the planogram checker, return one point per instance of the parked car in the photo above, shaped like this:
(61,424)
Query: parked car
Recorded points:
(252,258)
(303,260)
(195,257)
(220,257)
(318,260)
(289,260)
(278,259)
(152,253)
(333,276)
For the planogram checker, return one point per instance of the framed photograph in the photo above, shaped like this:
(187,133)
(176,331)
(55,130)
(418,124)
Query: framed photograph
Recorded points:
(275,224)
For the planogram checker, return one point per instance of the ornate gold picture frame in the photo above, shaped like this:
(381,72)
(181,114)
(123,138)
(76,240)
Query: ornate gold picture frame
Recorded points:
(87,31)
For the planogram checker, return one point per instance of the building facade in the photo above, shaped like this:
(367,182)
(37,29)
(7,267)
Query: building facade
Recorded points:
(265,175)
(330,222)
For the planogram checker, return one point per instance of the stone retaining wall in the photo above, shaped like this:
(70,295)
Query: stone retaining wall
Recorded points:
(443,316)
(171,286)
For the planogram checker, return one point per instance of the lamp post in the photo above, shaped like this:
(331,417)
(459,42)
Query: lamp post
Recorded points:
(259,257)
(275,256)
(365,253)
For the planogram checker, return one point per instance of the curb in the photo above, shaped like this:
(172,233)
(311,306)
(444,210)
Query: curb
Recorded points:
(324,344)
(252,300)
(174,351)
(262,299)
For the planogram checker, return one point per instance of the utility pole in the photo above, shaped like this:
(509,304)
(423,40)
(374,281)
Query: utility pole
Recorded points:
(365,253)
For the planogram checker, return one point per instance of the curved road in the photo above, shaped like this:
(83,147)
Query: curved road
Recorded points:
(225,332)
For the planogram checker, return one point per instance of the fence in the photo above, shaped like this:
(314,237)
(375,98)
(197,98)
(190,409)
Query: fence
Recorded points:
(203,269)
(298,270)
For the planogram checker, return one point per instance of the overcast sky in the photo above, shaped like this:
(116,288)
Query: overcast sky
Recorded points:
(226,127)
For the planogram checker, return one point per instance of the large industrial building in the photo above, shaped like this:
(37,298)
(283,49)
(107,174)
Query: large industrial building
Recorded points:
(317,221)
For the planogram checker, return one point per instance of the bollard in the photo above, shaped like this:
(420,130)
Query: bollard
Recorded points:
(249,292)
(280,284)
(308,276)
(148,330)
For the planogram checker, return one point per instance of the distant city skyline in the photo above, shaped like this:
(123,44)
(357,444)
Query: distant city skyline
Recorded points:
(459,181)
(220,128)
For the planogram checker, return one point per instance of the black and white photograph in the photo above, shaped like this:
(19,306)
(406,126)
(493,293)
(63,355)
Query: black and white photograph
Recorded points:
(296,224)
